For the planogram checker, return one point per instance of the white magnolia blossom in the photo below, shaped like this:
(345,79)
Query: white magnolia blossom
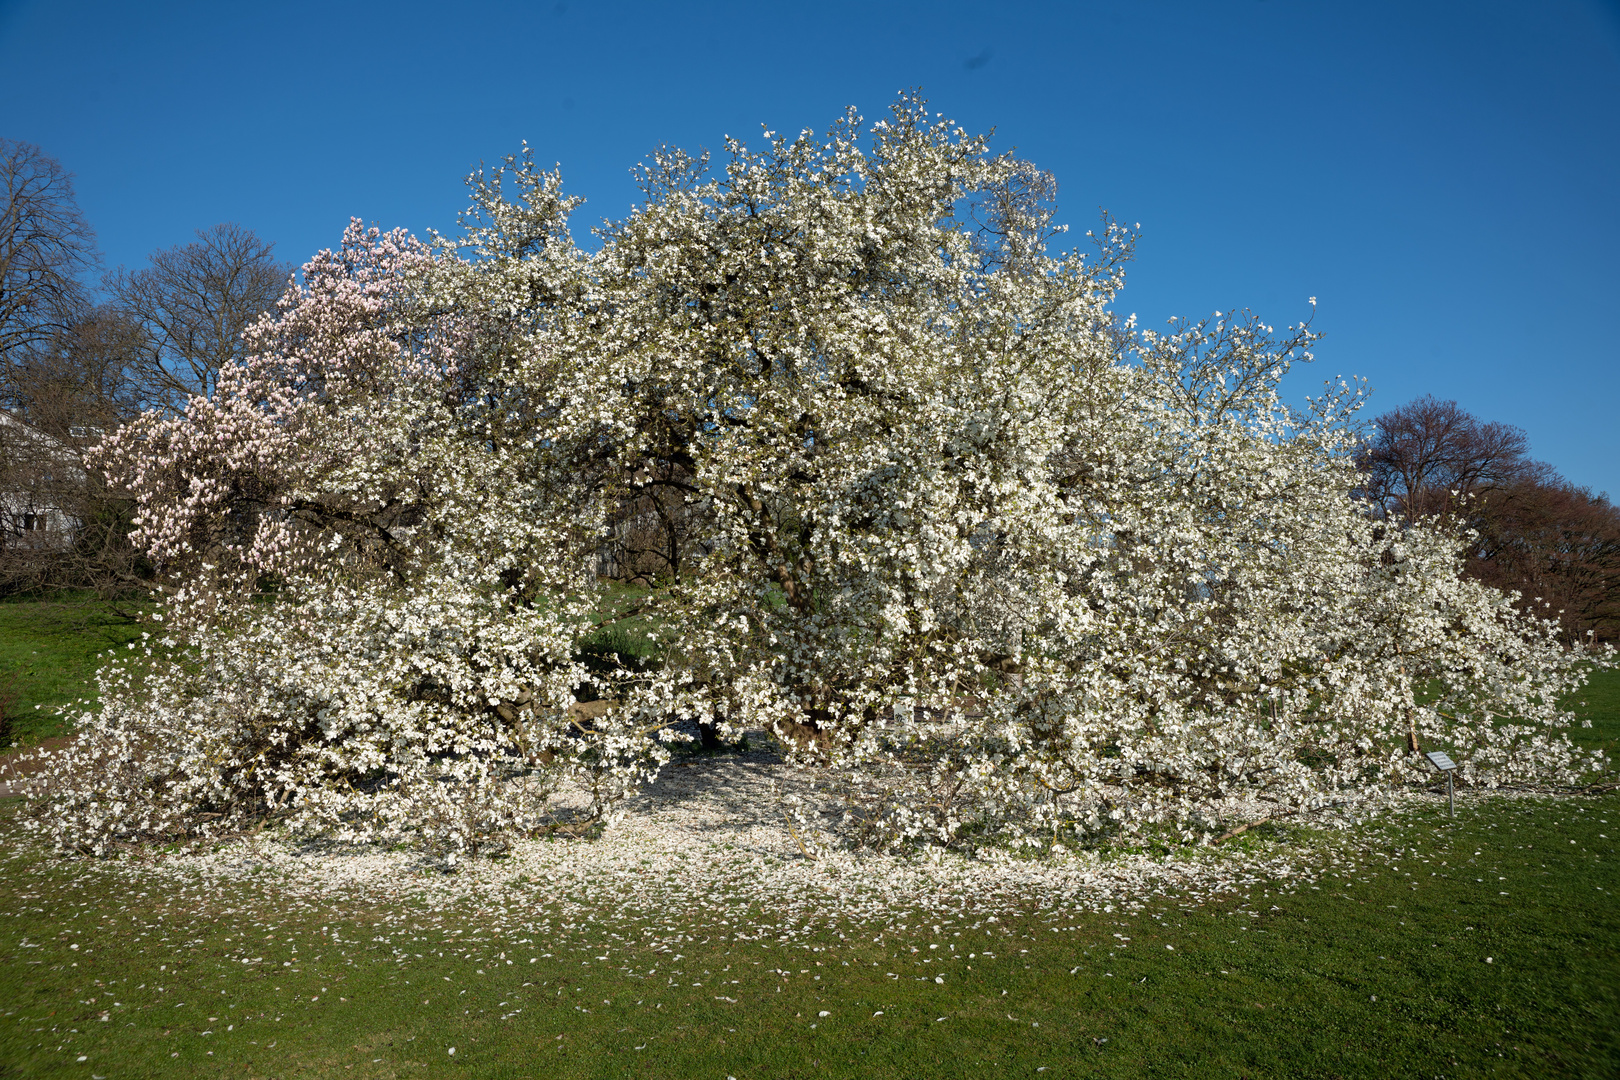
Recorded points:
(1004,565)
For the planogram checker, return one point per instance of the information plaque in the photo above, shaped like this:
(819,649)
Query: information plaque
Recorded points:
(1447,766)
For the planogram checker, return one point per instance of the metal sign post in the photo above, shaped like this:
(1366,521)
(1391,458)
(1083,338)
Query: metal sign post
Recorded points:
(1447,766)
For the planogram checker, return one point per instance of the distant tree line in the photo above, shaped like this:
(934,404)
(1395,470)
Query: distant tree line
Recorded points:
(1554,543)
(82,352)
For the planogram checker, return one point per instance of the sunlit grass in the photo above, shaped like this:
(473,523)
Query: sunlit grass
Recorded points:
(1484,946)
(49,651)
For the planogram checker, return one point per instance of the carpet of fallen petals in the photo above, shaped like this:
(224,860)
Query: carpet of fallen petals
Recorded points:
(708,850)
(697,902)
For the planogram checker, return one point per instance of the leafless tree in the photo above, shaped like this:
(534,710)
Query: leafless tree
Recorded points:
(653,527)
(60,527)
(192,303)
(1559,546)
(1556,544)
(73,371)
(45,247)
(1427,455)
(78,381)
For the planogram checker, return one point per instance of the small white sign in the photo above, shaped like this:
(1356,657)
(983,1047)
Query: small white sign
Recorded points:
(1440,761)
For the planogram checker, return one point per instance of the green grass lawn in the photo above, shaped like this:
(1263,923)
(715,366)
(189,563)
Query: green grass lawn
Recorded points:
(49,653)
(1599,701)
(1488,945)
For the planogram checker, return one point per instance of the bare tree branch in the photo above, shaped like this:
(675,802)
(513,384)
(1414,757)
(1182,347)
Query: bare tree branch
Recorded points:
(192,304)
(45,244)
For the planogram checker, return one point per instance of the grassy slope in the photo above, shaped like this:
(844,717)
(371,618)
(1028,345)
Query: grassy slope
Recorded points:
(1379,972)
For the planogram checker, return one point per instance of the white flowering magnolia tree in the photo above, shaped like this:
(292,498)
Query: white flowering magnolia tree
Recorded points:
(1003,565)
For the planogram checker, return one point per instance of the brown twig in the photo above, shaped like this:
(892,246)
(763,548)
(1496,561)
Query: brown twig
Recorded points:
(1228,834)
(803,850)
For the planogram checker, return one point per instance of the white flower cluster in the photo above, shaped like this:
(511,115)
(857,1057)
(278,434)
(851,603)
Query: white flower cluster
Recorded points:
(1004,564)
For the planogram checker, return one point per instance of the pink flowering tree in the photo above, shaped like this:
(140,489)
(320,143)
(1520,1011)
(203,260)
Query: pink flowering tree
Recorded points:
(348,543)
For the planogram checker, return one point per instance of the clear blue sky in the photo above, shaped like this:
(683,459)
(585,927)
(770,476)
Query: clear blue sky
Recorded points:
(1445,178)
